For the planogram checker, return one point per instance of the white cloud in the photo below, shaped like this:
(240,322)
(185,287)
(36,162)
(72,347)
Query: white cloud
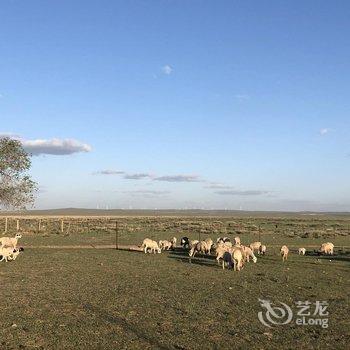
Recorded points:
(167,69)
(324,131)
(55,146)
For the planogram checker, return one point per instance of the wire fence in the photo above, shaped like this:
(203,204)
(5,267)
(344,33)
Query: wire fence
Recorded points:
(127,231)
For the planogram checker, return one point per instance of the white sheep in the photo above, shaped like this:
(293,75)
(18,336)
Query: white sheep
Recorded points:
(284,252)
(165,245)
(8,253)
(255,246)
(238,258)
(209,243)
(10,241)
(301,251)
(173,242)
(150,244)
(199,247)
(262,249)
(193,243)
(220,250)
(327,248)
(248,253)
(237,241)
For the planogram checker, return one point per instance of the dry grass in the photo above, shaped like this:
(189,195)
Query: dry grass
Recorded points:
(102,298)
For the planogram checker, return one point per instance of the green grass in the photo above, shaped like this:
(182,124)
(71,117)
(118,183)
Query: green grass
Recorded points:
(103,299)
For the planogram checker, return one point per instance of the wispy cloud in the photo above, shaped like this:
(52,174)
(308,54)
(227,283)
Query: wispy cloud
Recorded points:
(217,186)
(178,178)
(11,135)
(242,193)
(138,176)
(152,192)
(324,131)
(53,146)
(152,177)
(167,69)
(108,172)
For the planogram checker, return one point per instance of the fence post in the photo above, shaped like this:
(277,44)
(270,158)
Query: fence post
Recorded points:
(6,224)
(62,226)
(17,225)
(259,233)
(116,236)
(39,225)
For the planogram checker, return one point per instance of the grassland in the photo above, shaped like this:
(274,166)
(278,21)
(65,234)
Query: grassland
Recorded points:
(107,299)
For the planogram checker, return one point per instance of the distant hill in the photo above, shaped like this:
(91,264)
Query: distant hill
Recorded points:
(168,212)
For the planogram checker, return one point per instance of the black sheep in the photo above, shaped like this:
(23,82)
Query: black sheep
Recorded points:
(227,260)
(185,243)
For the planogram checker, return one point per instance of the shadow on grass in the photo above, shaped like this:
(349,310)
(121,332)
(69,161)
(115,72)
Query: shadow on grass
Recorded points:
(341,256)
(127,327)
(209,260)
(199,259)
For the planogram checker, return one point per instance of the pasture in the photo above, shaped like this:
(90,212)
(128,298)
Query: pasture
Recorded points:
(66,292)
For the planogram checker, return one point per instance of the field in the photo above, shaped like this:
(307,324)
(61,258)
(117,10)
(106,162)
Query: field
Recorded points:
(66,292)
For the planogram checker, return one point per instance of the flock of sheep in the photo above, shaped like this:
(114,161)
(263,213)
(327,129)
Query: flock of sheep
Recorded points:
(232,254)
(8,248)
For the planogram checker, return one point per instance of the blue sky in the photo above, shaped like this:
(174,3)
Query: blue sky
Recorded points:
(180,104)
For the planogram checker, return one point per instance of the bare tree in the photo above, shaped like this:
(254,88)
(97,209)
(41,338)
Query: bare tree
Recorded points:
(16,186)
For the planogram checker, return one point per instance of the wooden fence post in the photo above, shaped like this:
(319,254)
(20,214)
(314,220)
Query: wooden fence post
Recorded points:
(17,225)
(62,226)
(116,236)
(6,225)
(39,225)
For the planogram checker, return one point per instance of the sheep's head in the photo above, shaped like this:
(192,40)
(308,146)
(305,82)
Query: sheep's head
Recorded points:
(255,259)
